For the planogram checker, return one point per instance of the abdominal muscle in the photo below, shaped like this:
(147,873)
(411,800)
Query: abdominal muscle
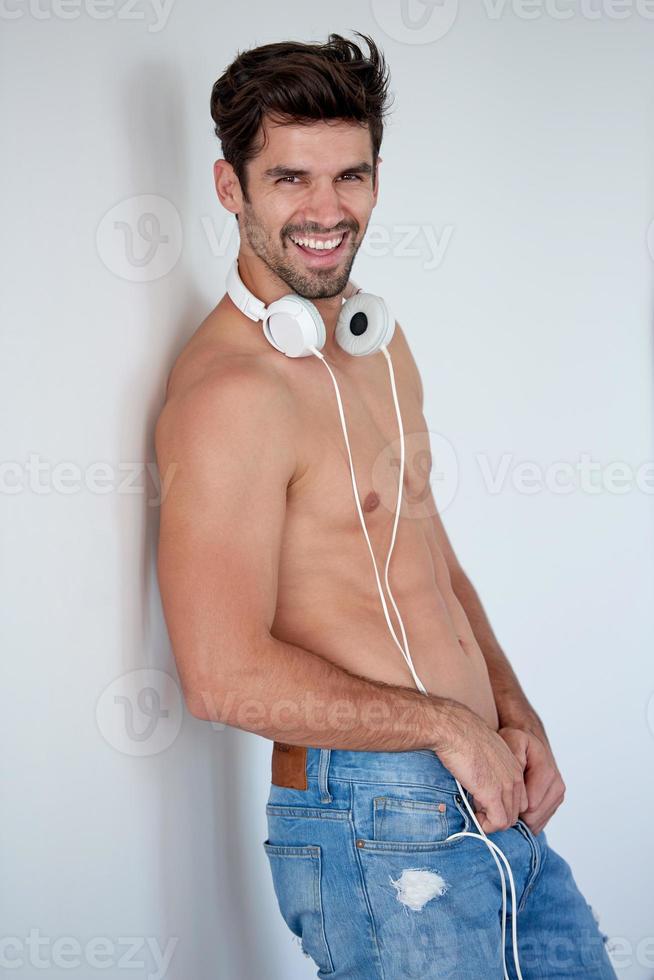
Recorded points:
(328,603)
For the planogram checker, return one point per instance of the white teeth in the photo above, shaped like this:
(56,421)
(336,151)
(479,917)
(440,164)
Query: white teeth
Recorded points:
(318,246)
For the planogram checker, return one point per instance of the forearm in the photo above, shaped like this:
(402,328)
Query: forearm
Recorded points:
(293,695)
(513,706)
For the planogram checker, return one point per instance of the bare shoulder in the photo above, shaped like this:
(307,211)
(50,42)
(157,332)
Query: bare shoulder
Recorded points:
(399,347)
(218,399)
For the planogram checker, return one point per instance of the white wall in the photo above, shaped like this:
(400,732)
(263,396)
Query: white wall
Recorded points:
(521,141)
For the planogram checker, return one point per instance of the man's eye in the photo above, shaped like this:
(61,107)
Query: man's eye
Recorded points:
(293,177)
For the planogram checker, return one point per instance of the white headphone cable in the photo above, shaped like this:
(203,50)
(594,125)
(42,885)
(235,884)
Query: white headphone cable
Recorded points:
(407,655)
(481,835)
(318,354)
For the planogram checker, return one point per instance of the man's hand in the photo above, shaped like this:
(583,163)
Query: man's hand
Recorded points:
(486,766)
(543,782)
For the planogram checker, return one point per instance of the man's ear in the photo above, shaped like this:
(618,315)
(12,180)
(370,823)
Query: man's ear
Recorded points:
(228,187)
(376,191)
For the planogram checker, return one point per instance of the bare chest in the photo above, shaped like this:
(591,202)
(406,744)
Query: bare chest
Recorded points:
(321,501)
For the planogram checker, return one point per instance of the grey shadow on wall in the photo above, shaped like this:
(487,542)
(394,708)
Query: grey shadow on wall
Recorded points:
(207,780)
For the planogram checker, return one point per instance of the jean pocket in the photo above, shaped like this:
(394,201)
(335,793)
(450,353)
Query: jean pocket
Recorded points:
(409,820)
(296,874)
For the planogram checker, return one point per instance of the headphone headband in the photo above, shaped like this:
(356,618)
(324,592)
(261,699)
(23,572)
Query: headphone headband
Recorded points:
(294,326)
(254,308)
(242,297)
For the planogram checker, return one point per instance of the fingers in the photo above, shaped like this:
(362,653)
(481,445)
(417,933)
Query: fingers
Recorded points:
(537,816)
(508,797)
(538,771)
(490,812)
(518,742)
(501,793)
(524,799)
(540,780)
(501,810)
(514,795)
(496,813)
(542,804)
(520,799)
(492,821)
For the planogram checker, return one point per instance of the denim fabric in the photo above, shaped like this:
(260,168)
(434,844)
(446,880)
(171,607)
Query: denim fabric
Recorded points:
(364,876)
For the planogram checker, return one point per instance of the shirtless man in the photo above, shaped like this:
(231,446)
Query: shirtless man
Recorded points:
(269,593)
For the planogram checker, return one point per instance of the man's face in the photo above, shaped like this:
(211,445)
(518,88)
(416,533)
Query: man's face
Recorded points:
(312,182)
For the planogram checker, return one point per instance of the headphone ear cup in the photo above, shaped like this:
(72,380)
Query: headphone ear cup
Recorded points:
(293,325)
(364,325)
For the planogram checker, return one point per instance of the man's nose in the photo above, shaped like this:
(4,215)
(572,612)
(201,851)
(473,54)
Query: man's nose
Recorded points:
(323,207)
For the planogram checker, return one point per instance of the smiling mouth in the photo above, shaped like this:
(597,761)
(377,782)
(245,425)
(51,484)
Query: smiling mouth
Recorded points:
(320,248)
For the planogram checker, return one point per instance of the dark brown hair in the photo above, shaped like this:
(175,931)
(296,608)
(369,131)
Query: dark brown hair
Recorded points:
(291,81)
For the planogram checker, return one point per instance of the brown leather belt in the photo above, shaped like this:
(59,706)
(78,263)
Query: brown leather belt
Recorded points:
(289,765)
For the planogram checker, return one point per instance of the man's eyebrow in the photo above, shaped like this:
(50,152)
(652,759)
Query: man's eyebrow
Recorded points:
(282,171)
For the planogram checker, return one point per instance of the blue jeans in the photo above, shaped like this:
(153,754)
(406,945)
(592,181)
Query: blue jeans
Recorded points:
(364,876)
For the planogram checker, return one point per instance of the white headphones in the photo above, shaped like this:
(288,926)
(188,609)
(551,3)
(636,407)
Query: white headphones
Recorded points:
(294,326)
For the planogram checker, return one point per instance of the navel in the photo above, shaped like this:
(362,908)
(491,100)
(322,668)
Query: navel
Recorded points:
(371,501)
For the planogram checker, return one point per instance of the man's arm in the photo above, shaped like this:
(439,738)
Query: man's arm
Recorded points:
(230,444)
(513,706)
(231,441)
(520,725)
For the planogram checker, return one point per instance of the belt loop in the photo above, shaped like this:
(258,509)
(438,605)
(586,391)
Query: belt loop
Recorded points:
(323,769)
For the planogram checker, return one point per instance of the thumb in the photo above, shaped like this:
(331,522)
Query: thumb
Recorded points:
(518,742)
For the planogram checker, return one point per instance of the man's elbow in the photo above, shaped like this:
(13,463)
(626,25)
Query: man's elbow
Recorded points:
(198,705)
(220,694)
(217,702)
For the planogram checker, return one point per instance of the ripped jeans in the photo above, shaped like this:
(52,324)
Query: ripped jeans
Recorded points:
(364,877)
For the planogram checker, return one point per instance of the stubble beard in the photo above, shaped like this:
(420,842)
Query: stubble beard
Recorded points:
(310,283)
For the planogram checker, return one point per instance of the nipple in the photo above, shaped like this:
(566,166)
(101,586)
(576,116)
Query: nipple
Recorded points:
(371,501)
